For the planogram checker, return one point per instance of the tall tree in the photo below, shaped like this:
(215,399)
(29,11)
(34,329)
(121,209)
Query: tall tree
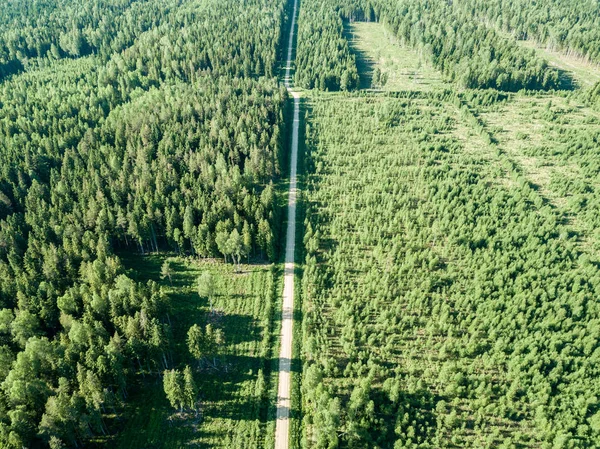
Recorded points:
(196,342)
(173,385)
(190,390)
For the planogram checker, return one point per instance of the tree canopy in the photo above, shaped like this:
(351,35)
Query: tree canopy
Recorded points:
(125,126)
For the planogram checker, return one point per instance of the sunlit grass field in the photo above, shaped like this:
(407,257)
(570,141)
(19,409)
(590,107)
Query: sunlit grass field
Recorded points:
(376,47)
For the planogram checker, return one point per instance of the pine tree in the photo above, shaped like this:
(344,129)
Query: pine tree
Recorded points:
(196,342)
(174,388)
(190,390)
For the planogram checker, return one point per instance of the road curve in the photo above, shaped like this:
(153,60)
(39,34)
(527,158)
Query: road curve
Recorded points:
(282,428)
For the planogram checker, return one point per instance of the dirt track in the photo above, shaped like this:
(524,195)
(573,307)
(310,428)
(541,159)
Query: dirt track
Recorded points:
(282,434)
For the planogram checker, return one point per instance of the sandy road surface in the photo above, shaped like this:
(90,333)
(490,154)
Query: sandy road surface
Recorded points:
(282,433)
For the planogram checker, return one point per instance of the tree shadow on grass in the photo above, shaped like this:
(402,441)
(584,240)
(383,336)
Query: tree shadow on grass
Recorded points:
(152,422)
(142,268)
(222,388)
(232,390)
(566,80)
(364,63)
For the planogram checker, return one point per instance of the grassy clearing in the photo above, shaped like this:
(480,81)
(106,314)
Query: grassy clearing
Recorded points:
(235,396)
(406,69)
(584,73)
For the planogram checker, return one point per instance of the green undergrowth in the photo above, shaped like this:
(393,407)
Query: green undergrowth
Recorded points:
(234,396)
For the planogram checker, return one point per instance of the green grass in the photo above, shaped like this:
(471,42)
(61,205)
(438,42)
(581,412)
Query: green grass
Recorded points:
(234,413)
(375,46)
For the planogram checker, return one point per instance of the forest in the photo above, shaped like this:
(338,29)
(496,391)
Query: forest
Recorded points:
(444,308)
(447,245)
(466,51)
(126,126)
(450,241)
(567,26)
(329,65)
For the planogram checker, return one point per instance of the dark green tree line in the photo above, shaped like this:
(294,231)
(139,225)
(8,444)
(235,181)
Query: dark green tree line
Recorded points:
(465,49)
(164,130)
(462,47)
(572,27)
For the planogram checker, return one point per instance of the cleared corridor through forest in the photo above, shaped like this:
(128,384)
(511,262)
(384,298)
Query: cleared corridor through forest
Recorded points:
(287,314)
